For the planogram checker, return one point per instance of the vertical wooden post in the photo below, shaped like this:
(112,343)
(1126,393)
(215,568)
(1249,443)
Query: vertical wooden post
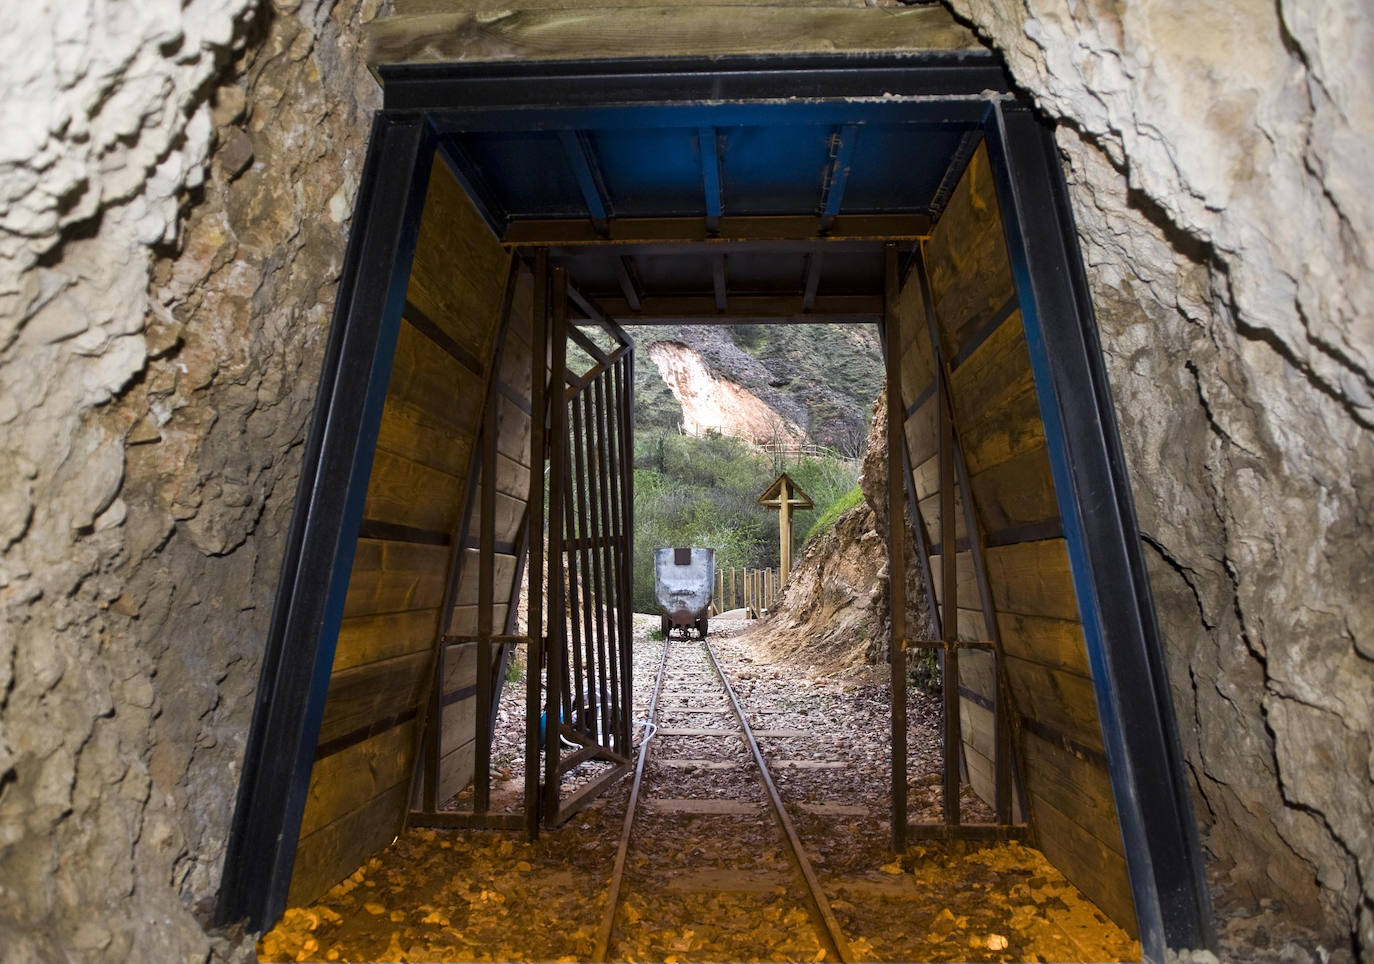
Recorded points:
(720,591)
(949,580)
(558,457)
(785,531)
(486,583)
(534,654)
(896,543)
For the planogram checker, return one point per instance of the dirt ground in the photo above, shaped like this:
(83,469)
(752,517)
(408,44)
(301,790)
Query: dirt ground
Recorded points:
(717,886)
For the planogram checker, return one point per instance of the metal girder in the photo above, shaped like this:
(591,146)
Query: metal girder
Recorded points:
(582,160)
(812,279)
(718,283)
(837,176)
(1139,731)
(677,309)
(954,86)
(318,560)
(709,146)
(628,276)
(571,232)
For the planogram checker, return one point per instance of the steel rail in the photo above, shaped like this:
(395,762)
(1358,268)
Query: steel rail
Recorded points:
(603,939)
(818,899)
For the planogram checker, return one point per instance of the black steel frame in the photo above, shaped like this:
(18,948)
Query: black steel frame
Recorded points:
(588,650)
(1139,731)
(1099,521)
(335,467)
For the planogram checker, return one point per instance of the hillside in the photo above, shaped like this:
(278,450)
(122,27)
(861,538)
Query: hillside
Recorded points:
(782,383)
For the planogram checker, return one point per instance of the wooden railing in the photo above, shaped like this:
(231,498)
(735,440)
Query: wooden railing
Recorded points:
(753,590)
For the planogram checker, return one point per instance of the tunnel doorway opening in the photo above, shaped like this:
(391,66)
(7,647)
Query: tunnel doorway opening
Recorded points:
(575,130)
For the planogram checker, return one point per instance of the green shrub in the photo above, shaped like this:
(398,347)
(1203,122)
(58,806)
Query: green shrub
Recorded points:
(826,520)
(703,491)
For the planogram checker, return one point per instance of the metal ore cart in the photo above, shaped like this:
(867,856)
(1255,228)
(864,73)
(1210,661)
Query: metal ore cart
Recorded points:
(683,580)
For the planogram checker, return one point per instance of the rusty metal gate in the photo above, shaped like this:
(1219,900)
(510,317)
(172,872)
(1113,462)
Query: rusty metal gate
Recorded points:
(588,700)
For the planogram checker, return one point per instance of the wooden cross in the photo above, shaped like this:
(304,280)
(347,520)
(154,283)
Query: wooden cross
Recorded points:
(785,496)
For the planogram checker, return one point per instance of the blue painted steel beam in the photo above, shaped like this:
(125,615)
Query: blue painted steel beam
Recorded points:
(718,282)
(582,159)
(318,560)
(1139,731)
(725,79)
(932,114)
(842,161)
(812,280)
(628,277)
(710,176)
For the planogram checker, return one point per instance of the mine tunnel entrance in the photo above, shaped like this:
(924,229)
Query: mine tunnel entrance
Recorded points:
(512,213)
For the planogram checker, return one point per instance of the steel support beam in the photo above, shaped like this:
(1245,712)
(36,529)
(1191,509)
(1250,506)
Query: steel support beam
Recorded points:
(947,89)
(335,468)
(709,147)
(896,542)
(1132,688)
(570,232)
(837,177)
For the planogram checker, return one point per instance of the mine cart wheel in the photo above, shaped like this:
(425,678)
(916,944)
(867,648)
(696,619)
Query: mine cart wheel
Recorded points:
(667,625)
(701,627)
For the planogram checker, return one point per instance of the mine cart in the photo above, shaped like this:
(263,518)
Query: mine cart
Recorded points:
(683,579)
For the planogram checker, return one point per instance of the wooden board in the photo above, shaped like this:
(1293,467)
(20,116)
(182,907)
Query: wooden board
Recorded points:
(922,435)
(460,666)
(360,697)
(976,673)
(970,275)
(460,722)
(925,476)
(967,586)
(335,851)
(510,514)
(349,779)
(1017,492)
(1099,872)
(366,639)
(977,730)
(980,379)
(930,511)
(1057,643)
(458,278)
(432,406)
(1072,784)
(980,767)
(467,585)
(409,493)
(1032,579)
(465,617)
(672,30)
(513,444)
(390,577)
(1062,701)
(456,769)
(1009,426)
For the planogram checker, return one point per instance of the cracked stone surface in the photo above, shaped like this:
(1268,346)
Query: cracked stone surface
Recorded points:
(1216,154)
(176,181)
(175,187)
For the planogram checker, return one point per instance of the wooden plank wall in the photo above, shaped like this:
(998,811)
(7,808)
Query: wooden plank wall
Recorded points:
(459,693)
(359,784)
(1002,438)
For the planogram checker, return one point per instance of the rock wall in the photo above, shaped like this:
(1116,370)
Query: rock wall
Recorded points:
(175,186)
(713,403)
(833,611)
(1218,159)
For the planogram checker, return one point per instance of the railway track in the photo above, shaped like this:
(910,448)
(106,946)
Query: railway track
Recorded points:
(708,829)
